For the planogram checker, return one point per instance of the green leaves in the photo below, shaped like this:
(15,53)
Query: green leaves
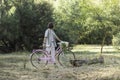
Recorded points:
(87,21)
(23,22)
(23,28)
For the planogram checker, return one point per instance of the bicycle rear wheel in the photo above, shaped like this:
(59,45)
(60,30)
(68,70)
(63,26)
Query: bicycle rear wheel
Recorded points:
(65,57)
(36,57)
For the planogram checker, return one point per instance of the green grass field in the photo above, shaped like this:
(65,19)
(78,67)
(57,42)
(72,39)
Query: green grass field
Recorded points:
(16,66)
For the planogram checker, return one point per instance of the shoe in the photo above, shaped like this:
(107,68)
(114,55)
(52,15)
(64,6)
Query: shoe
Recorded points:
(46,68)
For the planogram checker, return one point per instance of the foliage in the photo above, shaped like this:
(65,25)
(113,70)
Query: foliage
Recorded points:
(23,22)
(23,28)
(87,22)
(116,41)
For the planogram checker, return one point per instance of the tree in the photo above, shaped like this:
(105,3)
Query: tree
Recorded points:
(82,21)
(23,28)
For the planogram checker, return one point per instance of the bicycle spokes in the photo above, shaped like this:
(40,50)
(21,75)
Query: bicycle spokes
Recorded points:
(38,59)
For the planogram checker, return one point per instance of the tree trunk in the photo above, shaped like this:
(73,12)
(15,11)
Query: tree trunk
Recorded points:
(103,43)
(78,63)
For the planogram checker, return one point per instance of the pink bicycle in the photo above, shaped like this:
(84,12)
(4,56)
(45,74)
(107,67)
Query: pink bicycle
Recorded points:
(40,57)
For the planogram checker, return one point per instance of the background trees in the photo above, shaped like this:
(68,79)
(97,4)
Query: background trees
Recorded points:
(23,22)
(89,20)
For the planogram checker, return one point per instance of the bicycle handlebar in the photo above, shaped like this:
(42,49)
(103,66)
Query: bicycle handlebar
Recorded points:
(63,42)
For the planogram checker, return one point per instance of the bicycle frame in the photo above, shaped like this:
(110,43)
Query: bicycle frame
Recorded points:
(41,56)
(48,57)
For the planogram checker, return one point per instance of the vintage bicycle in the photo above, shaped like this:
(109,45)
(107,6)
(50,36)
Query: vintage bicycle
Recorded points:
(40,57)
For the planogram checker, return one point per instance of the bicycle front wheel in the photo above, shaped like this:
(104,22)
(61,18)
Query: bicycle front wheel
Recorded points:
(65,57)
(36,59)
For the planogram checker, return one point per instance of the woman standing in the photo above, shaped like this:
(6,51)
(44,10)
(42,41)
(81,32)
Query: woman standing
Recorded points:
(49,41)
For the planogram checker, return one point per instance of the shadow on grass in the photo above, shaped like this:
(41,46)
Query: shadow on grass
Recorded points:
(87,72)
(84,52)
(7,76)
(13,59)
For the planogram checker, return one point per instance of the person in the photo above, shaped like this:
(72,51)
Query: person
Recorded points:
(49,42)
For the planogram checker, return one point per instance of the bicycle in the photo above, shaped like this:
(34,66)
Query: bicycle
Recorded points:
(40,57)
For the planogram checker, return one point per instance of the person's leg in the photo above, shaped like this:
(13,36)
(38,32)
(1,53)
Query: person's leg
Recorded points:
(53,53)
(48,49)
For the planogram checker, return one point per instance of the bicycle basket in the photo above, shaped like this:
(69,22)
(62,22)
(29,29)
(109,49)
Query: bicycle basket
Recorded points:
(64,44)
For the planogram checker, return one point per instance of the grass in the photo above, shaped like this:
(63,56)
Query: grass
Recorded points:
(16,66)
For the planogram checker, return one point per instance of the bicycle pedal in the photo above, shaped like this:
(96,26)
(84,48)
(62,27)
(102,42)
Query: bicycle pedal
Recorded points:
(39,59)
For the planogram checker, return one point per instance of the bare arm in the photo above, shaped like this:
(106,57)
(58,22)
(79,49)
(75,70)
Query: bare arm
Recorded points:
(57,37)
(44,40)
(45,37)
